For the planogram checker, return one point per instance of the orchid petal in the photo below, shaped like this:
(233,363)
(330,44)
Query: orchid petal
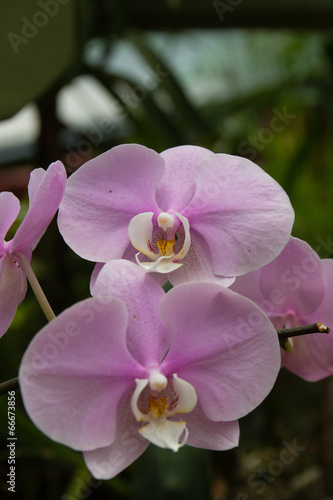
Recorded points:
(141,294)
(294,280)
(198,265)
(107,462)
(128,445)
(204,433)
(324,312)
(248,285)
(223,345)
(76,370)
(9,210)
(13,285)
(243,214)
(47,190)
(312,355)
(177,185)
(103,196)
(36,178)
(97,269)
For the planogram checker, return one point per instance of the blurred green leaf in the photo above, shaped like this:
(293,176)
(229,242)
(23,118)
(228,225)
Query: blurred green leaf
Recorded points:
(38,47)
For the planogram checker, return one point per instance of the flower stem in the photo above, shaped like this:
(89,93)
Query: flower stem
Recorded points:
(37,289)
(302,330)
(9,385)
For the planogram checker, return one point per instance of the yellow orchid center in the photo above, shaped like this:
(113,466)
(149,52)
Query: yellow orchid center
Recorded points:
(165,247)
(158,406)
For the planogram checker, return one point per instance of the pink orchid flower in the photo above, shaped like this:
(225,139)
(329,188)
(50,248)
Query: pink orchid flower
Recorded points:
(297,289)
(187,213)
(133,366)
(45,189)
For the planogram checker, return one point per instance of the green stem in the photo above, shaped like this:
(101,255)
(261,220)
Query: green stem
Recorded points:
(37,289)
(286,333)
(9,385)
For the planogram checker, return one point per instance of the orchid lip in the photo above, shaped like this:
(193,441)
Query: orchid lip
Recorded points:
(162,265)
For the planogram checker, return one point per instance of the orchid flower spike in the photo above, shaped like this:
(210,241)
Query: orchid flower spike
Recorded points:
(297,289)
(187,213)
(45,190)
(133,366)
